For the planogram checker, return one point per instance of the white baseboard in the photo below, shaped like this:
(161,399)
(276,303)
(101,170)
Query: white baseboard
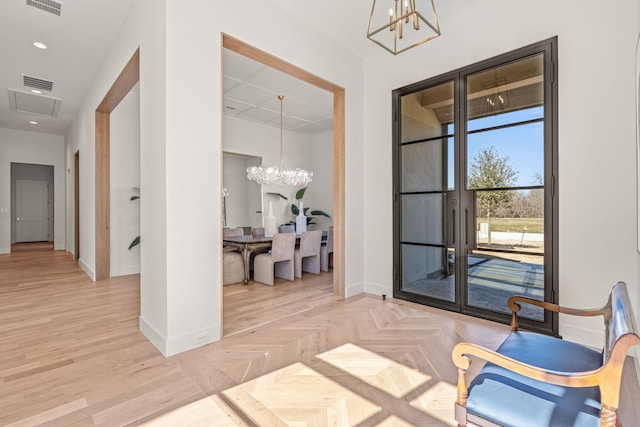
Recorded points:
(352,290)
(154,337)
(375,289)
(193,340)
(5,250)
(126,270)
(87,269)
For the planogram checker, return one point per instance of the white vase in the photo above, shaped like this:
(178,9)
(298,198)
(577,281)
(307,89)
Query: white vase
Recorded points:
(301,220)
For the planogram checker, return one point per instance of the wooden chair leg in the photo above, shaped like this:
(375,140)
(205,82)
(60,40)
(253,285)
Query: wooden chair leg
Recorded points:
(461,399)
(608,417)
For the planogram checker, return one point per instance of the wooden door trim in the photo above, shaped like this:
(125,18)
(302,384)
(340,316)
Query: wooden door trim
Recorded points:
(265,58)
(127,79)
(76,204)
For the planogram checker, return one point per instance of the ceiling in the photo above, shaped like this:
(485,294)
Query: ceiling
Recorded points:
(251,93)
(79,39)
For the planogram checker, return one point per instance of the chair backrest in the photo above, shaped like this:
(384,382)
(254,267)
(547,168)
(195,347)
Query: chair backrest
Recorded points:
(257,231)
(246,230)
(310,243)
(330,239)
(619,320)
(232,232)
(286,228)
(283,246)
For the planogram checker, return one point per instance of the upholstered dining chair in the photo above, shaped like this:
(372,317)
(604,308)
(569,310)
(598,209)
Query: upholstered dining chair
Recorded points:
(278,263)
(232,232)
(256,232)
(286,228)
(307,256)
(232,267)
(326,252)
(232,261)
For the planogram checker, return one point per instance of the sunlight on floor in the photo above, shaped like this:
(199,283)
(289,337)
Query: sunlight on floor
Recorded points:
(331,393)
(438,402)
(375,370)
(211,410)
(299,395)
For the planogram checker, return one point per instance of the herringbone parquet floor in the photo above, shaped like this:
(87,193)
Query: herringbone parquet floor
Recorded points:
(292,355)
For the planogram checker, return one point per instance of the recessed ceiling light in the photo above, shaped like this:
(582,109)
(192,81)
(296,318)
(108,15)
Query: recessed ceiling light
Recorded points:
(40,45)
(33,122)
(36,91)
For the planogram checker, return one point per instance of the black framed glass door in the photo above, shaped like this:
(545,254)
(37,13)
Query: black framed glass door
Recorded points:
(474,173)
(427,170)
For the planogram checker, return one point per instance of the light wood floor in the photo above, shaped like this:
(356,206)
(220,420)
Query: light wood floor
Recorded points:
(71,355)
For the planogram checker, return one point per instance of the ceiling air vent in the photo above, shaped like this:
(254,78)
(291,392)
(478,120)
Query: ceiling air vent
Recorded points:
(50,6)
(35,104)
(37,83)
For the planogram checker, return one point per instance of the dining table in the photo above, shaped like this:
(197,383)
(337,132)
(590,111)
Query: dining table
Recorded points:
(248,244)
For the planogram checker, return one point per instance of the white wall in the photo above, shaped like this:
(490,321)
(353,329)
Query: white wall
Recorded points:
(180,151)
(244,197)
(181,138)
(144,28)
(597,189)
(125,176)
(36,148)
(320,193)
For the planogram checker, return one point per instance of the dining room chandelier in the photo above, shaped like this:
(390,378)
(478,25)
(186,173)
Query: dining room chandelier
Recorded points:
(281,174)
(399,25)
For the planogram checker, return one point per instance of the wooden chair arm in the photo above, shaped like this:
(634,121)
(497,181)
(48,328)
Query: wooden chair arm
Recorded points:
(567,379)
(515,308)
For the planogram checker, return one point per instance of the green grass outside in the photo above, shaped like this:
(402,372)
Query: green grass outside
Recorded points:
(534,225)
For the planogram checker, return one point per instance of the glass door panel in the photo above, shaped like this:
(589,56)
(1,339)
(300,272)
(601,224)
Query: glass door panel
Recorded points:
(426,180)
(504,172)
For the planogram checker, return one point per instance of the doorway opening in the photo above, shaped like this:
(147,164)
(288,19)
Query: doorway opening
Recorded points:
(338,94)
(263,57)
(32,204)
(127,79)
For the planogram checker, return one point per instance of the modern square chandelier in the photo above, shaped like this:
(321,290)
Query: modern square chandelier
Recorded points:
(399,25)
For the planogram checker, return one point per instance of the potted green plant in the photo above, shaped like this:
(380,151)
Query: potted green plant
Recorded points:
(310,214)
(136,241)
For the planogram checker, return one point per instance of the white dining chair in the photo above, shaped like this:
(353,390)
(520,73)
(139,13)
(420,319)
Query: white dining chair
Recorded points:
(232,232)
(232,267)
(232,260)
(326,252)
(278,263)
(286,228)
(307,255)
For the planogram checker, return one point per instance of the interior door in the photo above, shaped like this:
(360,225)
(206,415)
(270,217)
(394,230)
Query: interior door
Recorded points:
(32,211)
